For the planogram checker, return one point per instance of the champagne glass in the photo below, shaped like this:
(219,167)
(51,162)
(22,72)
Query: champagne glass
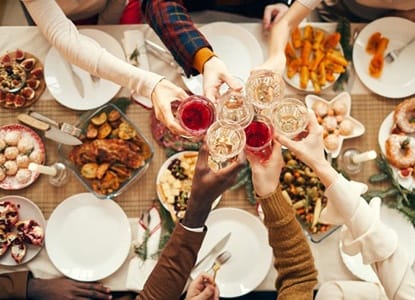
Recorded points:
(264,88)
(195,114)
(259,134)
(233,108)
(225,141)
(289,117)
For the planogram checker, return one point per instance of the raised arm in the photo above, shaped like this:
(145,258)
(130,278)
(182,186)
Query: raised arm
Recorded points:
(167,280)
(365,232)
(293,260)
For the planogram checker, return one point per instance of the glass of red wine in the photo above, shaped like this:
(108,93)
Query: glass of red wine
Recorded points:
(195,114)
(259,135)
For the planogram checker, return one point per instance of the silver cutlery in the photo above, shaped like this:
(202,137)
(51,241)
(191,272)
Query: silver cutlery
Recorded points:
(392,55)
(219,261)
(164,55)
(215,249)
(65,127)
(50,132)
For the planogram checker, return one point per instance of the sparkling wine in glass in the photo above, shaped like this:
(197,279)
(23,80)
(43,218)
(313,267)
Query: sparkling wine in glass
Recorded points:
(233,108)
(290,117)
(264,88)
(225,141)
(259,134)
(196,114)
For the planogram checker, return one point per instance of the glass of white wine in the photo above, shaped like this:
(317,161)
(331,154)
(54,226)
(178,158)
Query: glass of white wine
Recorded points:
(225,142)
(234,108)
(289,117)
(264,88)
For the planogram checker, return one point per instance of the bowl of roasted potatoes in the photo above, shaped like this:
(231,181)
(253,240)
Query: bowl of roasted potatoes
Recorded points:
(114,152)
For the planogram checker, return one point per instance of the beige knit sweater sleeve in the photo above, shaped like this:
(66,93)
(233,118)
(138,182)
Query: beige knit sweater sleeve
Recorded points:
(293,260)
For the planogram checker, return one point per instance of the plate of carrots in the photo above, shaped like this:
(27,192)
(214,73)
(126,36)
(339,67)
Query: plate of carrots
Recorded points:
(315,59)
(375,40)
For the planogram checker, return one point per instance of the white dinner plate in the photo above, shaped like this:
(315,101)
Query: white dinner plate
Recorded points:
(28,210)
(235,46)
(406,233)
(87,238)
(384,132)
(251,255)
(398,78)
(61,86)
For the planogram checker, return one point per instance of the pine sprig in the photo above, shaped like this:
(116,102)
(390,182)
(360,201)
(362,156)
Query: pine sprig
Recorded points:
(343,27)
(395,196)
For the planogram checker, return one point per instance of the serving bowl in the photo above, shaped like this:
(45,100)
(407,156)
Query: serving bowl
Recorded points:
(114,152)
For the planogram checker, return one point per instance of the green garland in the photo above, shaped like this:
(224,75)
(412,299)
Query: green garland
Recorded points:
(395,196)
(343,27)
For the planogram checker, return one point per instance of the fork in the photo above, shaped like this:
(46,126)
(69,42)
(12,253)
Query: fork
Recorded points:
(391,56)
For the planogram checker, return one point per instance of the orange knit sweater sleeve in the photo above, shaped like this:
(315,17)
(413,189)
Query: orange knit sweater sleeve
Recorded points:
(293,260)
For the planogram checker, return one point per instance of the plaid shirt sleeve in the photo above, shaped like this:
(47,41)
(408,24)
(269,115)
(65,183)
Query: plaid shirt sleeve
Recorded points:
(172,23)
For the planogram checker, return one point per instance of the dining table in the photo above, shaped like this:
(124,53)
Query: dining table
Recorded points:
(367,107)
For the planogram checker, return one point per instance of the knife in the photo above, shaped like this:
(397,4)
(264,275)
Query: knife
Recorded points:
(215,249)
(65,127)
(75,77)
(51,132)
(164,55)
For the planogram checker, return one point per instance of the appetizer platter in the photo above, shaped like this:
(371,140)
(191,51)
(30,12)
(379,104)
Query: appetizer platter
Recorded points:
(21,79)
(112,155)
(19,146)
(314,59)
(302,187)
(397,141)
(174,182)
(334,116)
(21,230)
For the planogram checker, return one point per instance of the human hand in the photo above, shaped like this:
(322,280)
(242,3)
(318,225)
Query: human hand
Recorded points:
(266,174)
(310,149)
(272,13)
(65,289)
(215,73)
(202,288)
(275,62)
(164,93)
(207,185)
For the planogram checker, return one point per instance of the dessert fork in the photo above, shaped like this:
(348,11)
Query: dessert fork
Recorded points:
(219,261)
(391,56)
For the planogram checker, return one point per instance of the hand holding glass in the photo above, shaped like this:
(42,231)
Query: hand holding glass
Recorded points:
(259,134)
(195,114)
(225,142)
(264,88)
(233,108)
(290,117)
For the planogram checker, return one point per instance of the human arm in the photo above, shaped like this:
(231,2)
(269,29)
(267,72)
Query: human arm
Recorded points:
(202,288)
(21,285)
(280,33)
(63,35)
(172,270)
(365,233)
(293,259)
(191,50)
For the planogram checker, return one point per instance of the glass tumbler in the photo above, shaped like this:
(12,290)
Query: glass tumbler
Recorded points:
(289,117)
(233,108)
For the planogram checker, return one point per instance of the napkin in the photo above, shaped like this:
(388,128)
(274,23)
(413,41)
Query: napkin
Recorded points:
(148,239)
(133,40)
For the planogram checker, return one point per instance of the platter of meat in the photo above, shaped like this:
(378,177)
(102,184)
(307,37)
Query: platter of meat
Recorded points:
(21,230)
(21,79)
(112,155)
